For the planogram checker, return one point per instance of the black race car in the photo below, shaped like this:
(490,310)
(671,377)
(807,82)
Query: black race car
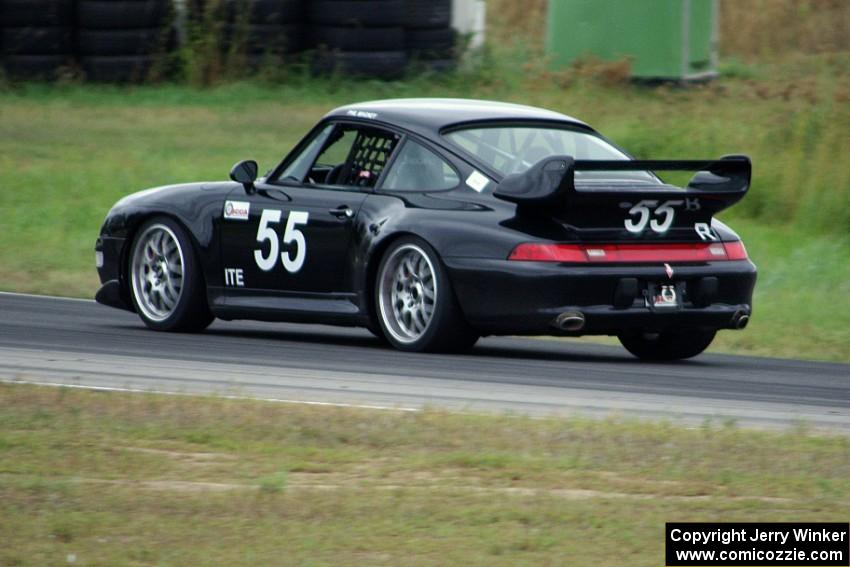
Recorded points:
(433,222)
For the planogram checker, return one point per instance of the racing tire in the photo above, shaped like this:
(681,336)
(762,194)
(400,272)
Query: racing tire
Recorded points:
(121,14)
(415,305)
(670,344)
(14,13)
(359,39)
(422,14)
(375,13)
(116,68)
(119,42)
(36,41)
(165,278)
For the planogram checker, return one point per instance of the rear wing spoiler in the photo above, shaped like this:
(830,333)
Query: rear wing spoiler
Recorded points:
(550,185)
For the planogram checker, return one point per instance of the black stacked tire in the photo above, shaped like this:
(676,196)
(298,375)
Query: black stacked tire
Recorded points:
(262,29)
(428,14)
(275,12)
(118,14)
(363,38)
(35,37)
(430,39)
(118,40)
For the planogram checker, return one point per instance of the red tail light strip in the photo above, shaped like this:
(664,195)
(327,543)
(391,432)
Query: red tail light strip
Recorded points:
(735,250)
(621,253)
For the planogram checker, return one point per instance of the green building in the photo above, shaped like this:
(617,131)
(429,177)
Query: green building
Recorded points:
(664,39)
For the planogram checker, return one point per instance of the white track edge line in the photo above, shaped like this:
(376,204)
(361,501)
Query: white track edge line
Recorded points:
(37,296)
(200,395)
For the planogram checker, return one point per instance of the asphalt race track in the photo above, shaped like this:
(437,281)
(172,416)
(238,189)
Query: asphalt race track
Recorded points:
(75,342)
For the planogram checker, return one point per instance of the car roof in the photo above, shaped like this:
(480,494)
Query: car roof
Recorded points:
(429,116)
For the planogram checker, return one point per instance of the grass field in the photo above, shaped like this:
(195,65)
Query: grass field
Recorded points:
(69,151)
(135,479)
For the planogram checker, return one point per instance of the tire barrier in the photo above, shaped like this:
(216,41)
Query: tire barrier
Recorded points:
(430,40)
(359,39)
(36,37)
(118,41)
(261,28)
(122,40)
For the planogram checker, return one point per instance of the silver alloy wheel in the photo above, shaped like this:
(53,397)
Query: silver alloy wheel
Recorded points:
(157,272)
(407,293)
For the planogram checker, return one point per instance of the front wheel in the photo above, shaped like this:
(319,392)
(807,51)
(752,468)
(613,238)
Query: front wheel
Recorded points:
(416,306)
(670,344)
(165,278)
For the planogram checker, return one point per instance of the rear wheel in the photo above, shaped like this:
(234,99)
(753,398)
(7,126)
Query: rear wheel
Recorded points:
(165,279)
(670,344)
(415,304)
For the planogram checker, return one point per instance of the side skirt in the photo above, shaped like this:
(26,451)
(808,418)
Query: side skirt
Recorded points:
(275,306)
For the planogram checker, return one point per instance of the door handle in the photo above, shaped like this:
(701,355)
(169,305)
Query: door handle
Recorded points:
(342,212)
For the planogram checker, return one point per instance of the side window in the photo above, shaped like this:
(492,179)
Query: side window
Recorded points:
(300,166)
(353,156)
(419,169)
(343,155)
(338,147)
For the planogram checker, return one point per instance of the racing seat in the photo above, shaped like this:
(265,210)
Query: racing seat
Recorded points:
(335,176)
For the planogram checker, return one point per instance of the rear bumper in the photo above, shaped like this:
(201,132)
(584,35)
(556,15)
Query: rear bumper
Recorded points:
(508,297)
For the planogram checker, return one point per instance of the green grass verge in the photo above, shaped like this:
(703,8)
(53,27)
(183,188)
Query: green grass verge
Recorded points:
(69,152)
(137,479)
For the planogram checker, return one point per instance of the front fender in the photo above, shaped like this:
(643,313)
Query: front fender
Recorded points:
(197,207)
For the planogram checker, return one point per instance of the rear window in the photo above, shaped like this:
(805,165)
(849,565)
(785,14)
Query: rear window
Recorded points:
(515,149)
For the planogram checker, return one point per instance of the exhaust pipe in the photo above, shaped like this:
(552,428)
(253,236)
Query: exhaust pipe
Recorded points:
(570,321)
(740,320)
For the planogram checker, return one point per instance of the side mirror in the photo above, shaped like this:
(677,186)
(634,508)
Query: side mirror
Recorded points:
(245,172)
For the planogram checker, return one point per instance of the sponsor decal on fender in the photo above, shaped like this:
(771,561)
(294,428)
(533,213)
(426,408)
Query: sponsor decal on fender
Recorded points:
(237,210)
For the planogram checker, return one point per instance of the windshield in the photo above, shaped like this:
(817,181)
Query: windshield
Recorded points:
(514,149)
